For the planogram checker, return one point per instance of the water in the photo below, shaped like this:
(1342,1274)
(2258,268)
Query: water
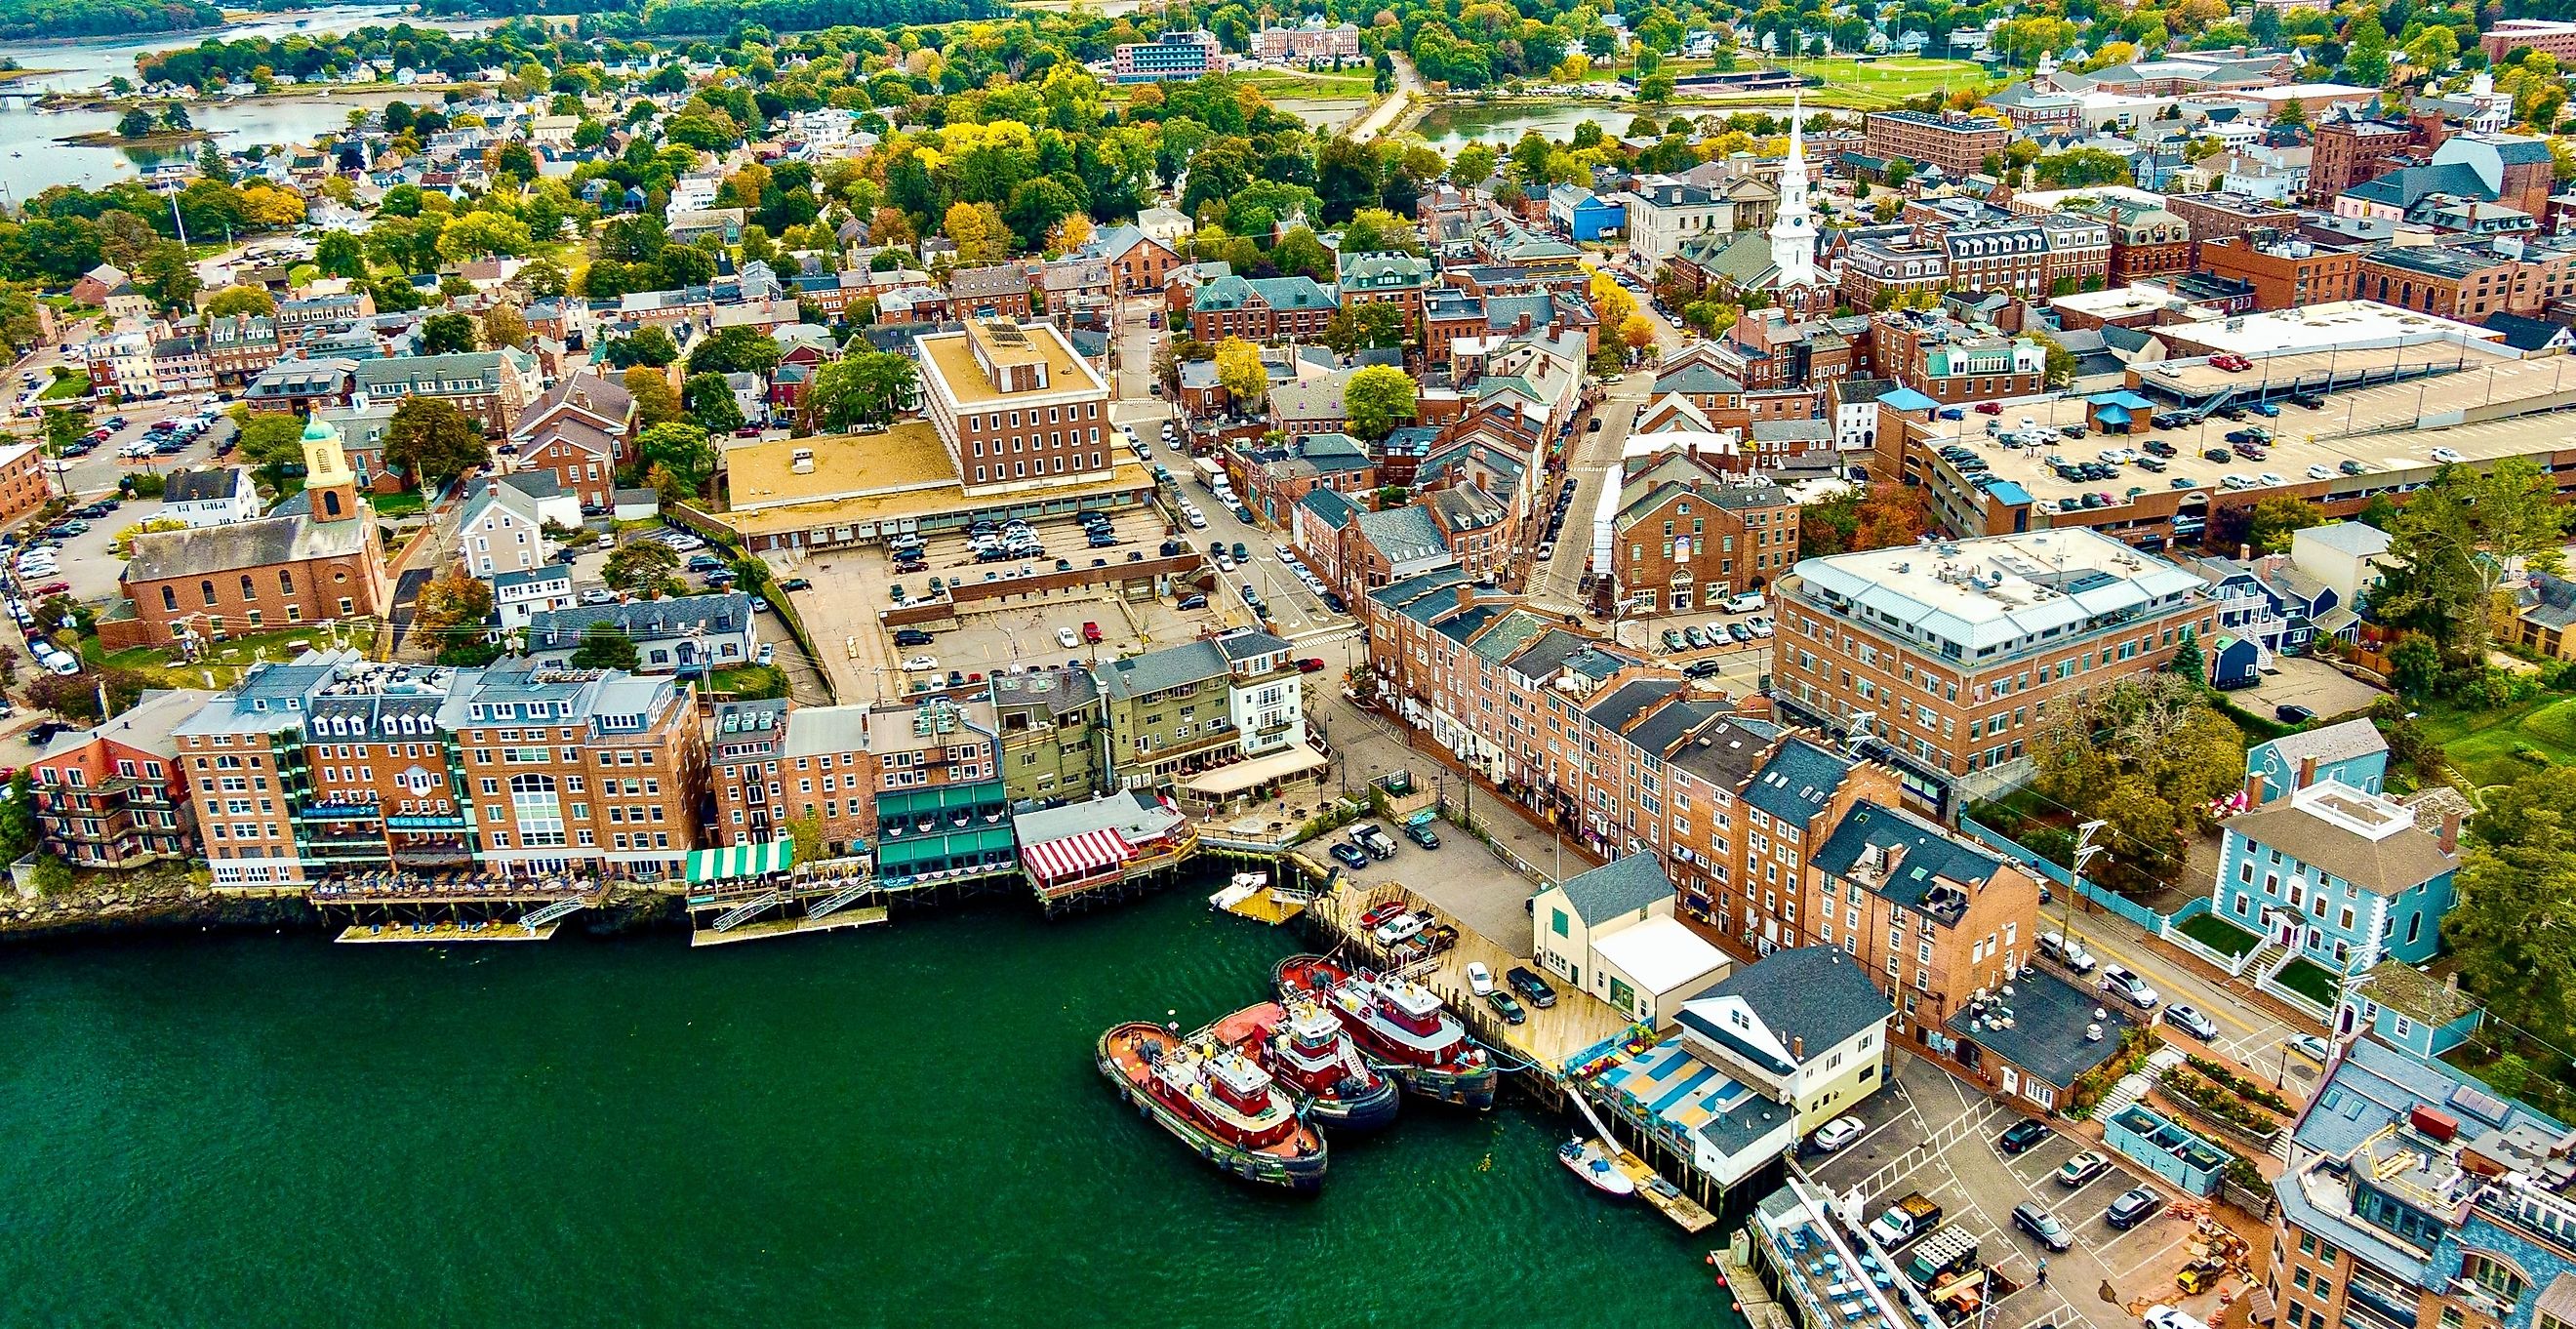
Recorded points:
(884,1126)
(41,162)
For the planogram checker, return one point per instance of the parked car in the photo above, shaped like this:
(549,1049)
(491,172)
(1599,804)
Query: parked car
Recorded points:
(2043,1225)
(1381,913)
(2293,713)
(2133,1207)
(1505,1007)
(1835,1134)
(1349,856)
(921,664)
(2082,1168)
(2129,987)
(1313,664)
(2066,952)
(2192,1022)
(1421,833)
(911,637)
(1067,638)
(2311,1047)
(2021,1135)
(1480,980)
(1399,927)
(1191,602)
(1527,983)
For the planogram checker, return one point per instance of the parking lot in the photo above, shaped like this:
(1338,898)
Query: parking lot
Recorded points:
(2311,683)
(1931,1133)
(1463,878)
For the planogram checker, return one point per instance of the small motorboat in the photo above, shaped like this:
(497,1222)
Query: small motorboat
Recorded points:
(1588,1160)
(1244,886)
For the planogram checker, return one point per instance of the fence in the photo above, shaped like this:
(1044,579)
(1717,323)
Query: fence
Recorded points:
(2116,903)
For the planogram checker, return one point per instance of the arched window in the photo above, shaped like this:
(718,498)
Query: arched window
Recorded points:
(169,598)
(249,592)
(330,502)
(285,581)
(207,589)
(539,815)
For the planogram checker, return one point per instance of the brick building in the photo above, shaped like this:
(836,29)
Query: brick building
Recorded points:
(23,488)
(2465,283)
(491,387)
(1956,142)
(1688,535)
(2216,216)
(1015,406)
(1946,361)
(2285,271)
(769,765)
(114,796)
(1932,918)
(1262,309)
(2350,150)
(579,430)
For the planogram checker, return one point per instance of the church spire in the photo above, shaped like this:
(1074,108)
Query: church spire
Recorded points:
(1793,230)
(328,482)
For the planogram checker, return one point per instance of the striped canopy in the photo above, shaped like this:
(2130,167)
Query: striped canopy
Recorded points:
(742,860)
(1076,855)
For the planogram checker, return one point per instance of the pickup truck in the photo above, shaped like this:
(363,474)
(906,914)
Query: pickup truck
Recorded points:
(1372,840)
(1944,1252)
(1907,1219)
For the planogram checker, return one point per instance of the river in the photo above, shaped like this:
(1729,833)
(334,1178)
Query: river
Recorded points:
(30,159)
(895,1125)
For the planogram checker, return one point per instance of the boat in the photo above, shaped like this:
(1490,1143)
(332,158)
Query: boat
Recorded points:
(1244,886)
(1218,1101)
(1399,1026)
(1588,1160)
(1304,1049)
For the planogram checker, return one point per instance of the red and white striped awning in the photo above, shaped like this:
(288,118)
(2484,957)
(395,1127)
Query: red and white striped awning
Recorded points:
(1076,855)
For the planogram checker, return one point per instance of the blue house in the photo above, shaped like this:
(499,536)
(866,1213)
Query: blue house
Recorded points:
(2350,753)
(2401,1005)
(2234,662)
(2339,876)
(2267,601)
(1582,215)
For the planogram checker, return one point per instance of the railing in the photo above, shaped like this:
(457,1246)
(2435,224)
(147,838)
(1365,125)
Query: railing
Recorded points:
(837,900)
(747,910)
(540,917)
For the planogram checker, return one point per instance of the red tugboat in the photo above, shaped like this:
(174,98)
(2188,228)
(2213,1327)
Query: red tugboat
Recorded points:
(1304,1048)
(1399,1026)
(1218,1101)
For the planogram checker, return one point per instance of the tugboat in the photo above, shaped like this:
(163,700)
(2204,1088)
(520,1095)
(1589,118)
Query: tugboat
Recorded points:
(1399,1026)
(1218,1101)
(1304,1048)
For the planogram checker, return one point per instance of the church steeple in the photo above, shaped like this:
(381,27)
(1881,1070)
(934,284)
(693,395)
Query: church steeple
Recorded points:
(328,482)
(1793,230)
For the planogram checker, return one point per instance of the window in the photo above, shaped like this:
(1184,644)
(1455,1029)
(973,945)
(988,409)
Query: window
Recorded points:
(539,815)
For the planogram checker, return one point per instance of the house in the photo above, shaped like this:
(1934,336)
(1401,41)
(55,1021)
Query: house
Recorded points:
(2350,753)
(521,594)
(213,497)
(2544,612)
(501,530)
(1580,215)
(2342,556)
(1222,719)
(578,431)
(1611,932)
(2267,601)
(1935,919)
(2337,876)
(686,635)
(1804,1025)
(115,795)
(2403,1006)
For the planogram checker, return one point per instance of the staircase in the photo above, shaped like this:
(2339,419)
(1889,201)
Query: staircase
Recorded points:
(2273,952)
(836,900)
(747,910)
(559,909)
(2131,1088)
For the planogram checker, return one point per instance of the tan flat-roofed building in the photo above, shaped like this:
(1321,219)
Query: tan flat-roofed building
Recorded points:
(1015,406)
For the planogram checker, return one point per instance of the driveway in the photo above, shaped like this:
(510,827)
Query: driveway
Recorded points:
(2311,683)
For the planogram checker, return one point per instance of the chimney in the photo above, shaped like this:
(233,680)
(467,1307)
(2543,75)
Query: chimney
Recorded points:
(2307,772)
(2450,833)
(1797,1048)
(2256,792)
(2244,553)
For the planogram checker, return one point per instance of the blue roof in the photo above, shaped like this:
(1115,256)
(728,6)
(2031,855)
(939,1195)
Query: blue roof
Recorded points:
(1907,399)
(2122,397)
(2005,491)
(2113,415)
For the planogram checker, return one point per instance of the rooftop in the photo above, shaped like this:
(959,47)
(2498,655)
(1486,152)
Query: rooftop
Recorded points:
(2045,1027)
(1999,594)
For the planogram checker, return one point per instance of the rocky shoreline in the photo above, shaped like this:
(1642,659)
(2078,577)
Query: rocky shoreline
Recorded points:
(90,910)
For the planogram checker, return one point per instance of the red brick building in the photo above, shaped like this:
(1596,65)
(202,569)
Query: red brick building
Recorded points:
(2285,271)
(1955,141)
(114,796)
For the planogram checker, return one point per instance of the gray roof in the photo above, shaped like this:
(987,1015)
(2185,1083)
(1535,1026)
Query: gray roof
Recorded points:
(1923,853)
(1057,688)
(146,725)
(2392,865)
(1403,534)
(815,730)
(1158,671)
(1814,993)
(201,486)
(2046,1035)
(259,543)
(2331,743)
(1622,886)
(642,620)
(1631,700)
(1795,784)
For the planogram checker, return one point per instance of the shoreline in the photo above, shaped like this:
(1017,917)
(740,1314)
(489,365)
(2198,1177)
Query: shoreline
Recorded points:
(81,101)
(85,913)
(109,138)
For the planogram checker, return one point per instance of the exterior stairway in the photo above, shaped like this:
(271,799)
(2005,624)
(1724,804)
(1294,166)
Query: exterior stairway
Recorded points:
(834,902)
(747,910)
(539,918)
(2131,1088)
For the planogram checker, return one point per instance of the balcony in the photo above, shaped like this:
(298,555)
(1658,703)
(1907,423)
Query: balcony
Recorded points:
(2379,1307)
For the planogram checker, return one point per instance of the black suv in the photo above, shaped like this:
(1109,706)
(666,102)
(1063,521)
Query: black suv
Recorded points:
(1527,983)
(2021,1135)
(2132,1208)
(911,637)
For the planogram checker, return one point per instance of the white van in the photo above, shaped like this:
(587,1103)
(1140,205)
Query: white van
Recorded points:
(1748,603)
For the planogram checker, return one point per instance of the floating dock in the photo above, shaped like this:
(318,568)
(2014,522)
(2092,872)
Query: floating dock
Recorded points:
(859,916)
(443,933)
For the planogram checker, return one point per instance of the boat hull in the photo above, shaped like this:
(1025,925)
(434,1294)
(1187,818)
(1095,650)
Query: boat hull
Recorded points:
(1301,1174)
(1468,1087)
(1369,1110)
(1587,1162)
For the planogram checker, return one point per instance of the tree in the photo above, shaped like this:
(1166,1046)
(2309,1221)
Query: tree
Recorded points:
(2057,363)
(734,350)
(432,442)
(1637,333)
(1891,515)
(64,428)
(504,325)
(135,123)
(655,402)
(682,451)
(710,403)
(2514,928)
(641,565)
(866,387)
(978,231)
(2187,661)
(167,277)
(339,254)
(451,612)
(1374,325)
(238,300)
(606,646)
(270,442)
(2457,542)
(446,334)
(1240,371)
(2365,58)
(18,818)
(1610,300)
(645,346)
(2274,519)
(2147,754)
(1376,399)
(484,235)
(2414,665)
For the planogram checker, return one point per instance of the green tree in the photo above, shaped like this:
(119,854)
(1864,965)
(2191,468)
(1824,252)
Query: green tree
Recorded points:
(710,403)
(339,254)
(2187,661)
(271,443)
(682,450)
(735,350)
(1377,324)
(18,818)
(64,428)
(445,334)
(2059,363)
(645,346)
(2365,58)
(2458,540)
(504,325)
(2414,665)
(867,387)
(2514,928)
(1377,399)
(641,565)
(237,300)
(167,277)
(135,123)
(432,441)
(2275,519)
(606,646)
(655,402)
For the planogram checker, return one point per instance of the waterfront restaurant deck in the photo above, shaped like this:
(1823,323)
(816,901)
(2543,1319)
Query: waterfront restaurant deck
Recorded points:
(1824,1277)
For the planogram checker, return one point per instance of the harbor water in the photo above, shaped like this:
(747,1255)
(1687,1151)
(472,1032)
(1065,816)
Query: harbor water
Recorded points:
(896,1125)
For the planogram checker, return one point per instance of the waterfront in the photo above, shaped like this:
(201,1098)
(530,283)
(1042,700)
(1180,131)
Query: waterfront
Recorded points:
(889,1125)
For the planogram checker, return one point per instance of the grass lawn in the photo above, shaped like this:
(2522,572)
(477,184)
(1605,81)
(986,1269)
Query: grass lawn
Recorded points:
(750,682)
(1275,83)
(2310,981)
(1856,84)
(2483,744)
(75,384)
(229,657)
(397,505)
(2219,935)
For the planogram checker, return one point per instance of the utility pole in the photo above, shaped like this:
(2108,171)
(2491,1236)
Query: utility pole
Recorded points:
(2085,849)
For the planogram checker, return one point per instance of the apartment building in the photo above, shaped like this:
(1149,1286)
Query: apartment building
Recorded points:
(1386,277)
(770,766)
(1017,408)
(1687,536)
(23,486)
(1052,729)
(332,763)
(1950,362)
(941,806)
(1174,713)
(2466,283)
(1956,142)
(114,795)
(1263,308)
(1932,918)
(241,347)
(1950,655)
(2286,272)
(2416,1195)
(1173,55)
(491,387)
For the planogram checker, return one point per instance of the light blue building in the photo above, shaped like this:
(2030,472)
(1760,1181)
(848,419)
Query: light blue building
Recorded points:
(2403,1007)
(2339,876)
(2419,1198)
(2351,753)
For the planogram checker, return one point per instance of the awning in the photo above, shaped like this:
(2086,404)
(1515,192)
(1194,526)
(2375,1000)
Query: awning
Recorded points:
(742,860)
(1227,781)
(902,857)
(1076,855)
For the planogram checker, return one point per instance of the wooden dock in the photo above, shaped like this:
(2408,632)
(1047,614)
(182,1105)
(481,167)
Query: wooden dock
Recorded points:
(442,934)
(1678,1207)
(854,916)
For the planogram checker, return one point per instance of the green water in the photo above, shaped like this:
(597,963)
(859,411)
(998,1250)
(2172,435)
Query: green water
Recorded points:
(888,1126)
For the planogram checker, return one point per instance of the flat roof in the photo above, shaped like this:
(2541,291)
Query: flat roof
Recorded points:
(1662,954)
(906,456)
(924,501)
(951,359)
(2001,593)
(2340,324)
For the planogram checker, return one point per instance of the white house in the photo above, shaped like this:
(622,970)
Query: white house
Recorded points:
(216,497)
(2345,556)
(518,595)
(1611,932)
(501,530)
(1803,1026)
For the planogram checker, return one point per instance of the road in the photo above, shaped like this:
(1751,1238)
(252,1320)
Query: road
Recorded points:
(1389,111)
(1558,584)
(2247,1032)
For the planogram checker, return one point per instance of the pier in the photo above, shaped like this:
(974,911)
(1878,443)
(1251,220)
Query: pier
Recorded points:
(447,907)
(752,892)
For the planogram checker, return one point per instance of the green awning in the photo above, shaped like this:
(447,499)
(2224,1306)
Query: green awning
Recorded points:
(894,857)
(935,799)
(742,860)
